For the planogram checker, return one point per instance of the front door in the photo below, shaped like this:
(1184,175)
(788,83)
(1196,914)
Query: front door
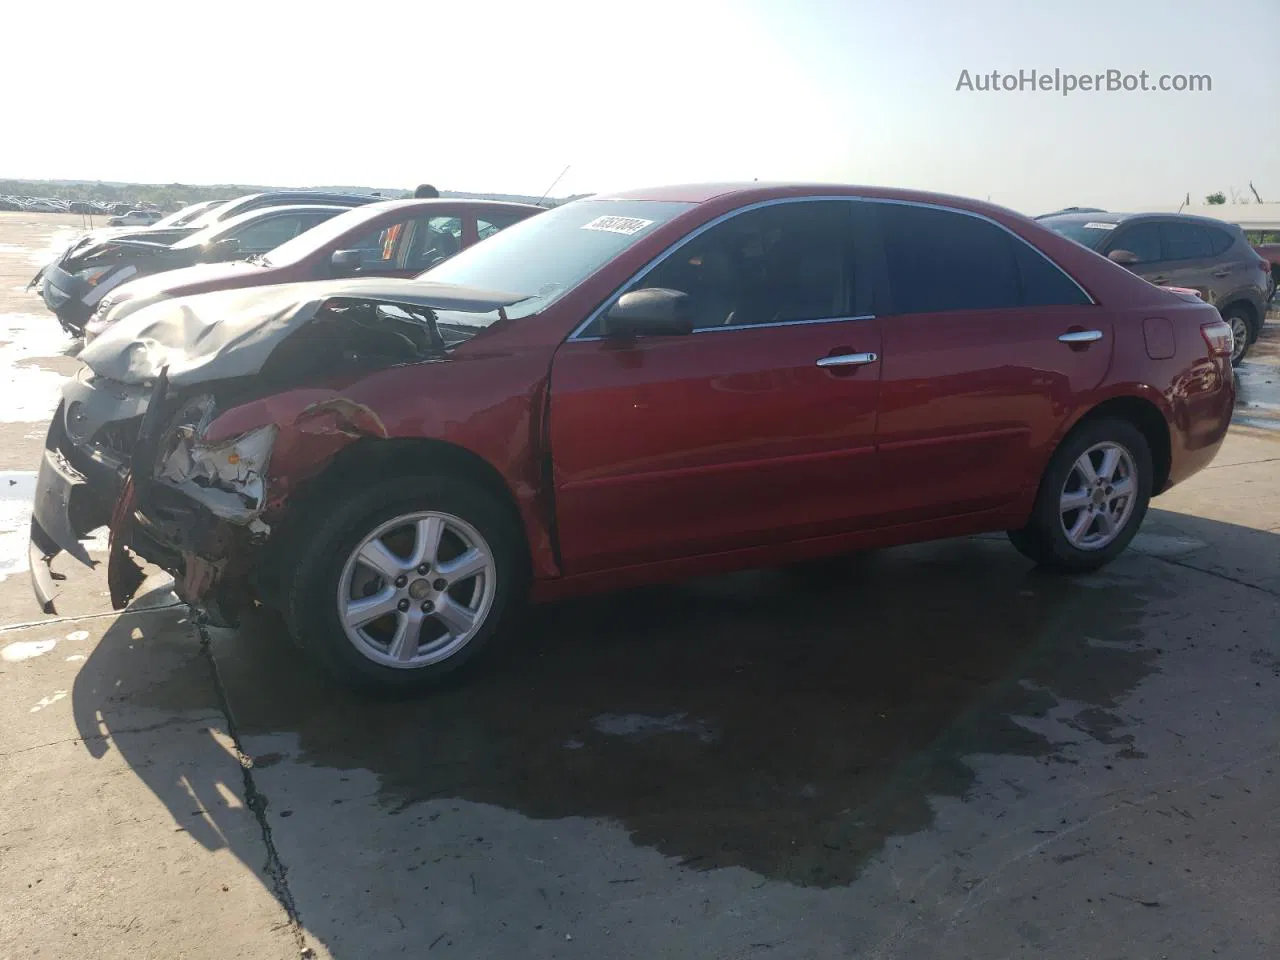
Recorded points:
(756,428)
(987,349)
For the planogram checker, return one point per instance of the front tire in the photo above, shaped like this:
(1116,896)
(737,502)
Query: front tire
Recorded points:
(406,583)
(1092,498)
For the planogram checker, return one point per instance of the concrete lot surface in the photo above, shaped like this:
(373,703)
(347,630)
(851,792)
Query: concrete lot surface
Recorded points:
(927,752)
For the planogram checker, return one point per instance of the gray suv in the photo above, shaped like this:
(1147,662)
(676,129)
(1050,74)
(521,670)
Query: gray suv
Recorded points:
(1173,250)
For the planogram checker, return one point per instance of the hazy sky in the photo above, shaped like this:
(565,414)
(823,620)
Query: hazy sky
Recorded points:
(500,96)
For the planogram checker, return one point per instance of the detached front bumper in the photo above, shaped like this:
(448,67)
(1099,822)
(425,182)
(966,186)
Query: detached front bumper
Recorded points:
(80,479)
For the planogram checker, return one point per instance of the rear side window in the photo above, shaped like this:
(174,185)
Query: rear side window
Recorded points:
(1043,283)
(1220,240)
(1185,241)
(490,223)
(938,260)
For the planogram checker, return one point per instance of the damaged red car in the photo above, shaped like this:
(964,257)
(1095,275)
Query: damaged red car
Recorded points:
(622,390)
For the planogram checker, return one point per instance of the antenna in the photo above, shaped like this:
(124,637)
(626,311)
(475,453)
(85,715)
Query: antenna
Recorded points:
(1184,203)
(553,183)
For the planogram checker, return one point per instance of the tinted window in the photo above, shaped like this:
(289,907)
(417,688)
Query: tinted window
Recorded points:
(1043,283)
(266,234)
(1142,239)
(779,263)
(1185,241)
(1220,240)
(941,260)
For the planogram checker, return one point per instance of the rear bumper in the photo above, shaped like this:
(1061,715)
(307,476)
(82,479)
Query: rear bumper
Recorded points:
(1202,416)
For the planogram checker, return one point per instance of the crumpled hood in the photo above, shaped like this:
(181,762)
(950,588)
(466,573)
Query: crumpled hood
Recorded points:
(231,333)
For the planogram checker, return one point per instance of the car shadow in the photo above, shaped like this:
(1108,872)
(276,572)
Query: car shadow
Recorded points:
(785,721)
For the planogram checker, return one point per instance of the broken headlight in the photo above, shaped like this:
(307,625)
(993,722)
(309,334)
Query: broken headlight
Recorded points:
(228,477)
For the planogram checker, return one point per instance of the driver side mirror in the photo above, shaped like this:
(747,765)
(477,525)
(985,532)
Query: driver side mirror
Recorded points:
(346,261)
(1126,258)
(655,312)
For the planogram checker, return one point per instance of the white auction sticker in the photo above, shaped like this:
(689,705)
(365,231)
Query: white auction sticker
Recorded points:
(1099,226)
(624,225)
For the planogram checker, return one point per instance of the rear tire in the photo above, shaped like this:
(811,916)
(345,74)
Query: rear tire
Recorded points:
(1083,518)
(1242,332)
(423,638)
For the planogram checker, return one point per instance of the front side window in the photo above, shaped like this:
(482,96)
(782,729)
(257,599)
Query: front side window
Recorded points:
(1185,241)
(942,260)
(776,264)
(1140,239)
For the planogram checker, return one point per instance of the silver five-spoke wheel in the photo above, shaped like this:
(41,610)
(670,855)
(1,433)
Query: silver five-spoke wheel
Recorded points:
(416,589)
(1098,496)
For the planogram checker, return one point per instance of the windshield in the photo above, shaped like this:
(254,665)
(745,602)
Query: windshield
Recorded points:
(1091,233)
(549,254)
(306,243)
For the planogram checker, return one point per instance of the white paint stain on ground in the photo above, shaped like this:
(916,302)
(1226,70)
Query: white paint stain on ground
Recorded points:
(17,488)
(26,649)
(28,393)
(76,658)
(638,726)
(49,701)
(78,636)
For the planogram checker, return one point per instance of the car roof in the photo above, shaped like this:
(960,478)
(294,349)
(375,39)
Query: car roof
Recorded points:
(1123,217)
(740,194)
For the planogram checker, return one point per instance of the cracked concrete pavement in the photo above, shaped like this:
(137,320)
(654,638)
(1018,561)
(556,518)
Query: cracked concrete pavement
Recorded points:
(927,752)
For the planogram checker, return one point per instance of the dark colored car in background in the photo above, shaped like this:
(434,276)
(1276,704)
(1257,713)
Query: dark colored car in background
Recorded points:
(648,386)
(189,220)
(394,238)
(73,296)
(1209,256)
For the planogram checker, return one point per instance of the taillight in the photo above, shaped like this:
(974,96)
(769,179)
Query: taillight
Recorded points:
(1219,338)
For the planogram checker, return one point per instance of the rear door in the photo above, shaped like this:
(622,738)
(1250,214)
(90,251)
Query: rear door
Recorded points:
(1188,259)
(757,428)
(988,347)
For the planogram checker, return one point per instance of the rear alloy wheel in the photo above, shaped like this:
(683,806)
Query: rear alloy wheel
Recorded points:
(1241,334)
(406,583)
(1092,498)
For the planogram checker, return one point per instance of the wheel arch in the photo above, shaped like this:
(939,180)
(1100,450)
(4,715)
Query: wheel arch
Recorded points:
(371,459)
(1145,414)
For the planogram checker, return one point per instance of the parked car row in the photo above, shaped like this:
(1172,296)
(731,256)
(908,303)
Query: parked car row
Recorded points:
(90,207)
(1211,257)
(621,390)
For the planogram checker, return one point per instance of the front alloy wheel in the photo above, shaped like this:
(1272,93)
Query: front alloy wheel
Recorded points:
(405,582)
(1239,338)
(416,589)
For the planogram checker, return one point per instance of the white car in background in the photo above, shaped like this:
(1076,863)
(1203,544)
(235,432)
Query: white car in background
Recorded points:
(135,218)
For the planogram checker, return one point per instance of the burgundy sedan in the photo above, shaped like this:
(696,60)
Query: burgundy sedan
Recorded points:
(628,389)
(391,238)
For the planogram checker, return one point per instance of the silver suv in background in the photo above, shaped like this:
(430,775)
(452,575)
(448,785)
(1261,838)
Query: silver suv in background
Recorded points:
(1175,250)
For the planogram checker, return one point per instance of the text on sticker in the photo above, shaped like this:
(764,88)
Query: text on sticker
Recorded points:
(1099,226)
(624,225)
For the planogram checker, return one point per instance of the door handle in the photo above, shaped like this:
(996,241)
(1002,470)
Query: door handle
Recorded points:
(848,360)
(1081,336)
(1222,273)
(1158,280)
